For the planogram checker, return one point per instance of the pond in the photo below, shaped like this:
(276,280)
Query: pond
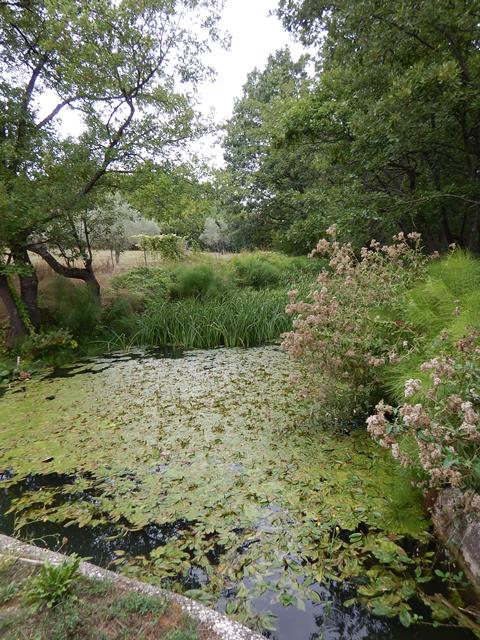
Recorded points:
(203,472)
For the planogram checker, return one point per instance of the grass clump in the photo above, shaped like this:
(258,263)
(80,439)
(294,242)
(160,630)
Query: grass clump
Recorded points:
(53,583)
(146,280)
(254,271)
(76,309)
(197,281)
(78,608)
(138,603)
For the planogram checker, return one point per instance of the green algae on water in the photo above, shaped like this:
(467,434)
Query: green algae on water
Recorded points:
(216,441)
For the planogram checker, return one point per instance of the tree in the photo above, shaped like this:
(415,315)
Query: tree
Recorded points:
(117,64)
(113,225)
(178,198)
(264,184)
(215,234)
(394,117)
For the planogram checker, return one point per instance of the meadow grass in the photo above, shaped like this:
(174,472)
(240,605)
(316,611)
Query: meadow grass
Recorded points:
(204,301)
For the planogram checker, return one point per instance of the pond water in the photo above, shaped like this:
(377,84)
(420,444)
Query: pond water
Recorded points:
(204,473)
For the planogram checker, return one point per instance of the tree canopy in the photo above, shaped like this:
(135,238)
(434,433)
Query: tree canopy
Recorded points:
(394,115)
(128,69)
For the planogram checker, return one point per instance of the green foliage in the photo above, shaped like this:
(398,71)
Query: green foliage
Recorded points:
(169,246)
(48,343)
(77,309)
(234,455)
(253,271)
(189,632)
(138,603)
(53,584)
(147,280)
(197,281)
(81,56)
(174,196)
(236,319)
(262,188)
(436,428)
(443,307)
(341,334)
(391,120)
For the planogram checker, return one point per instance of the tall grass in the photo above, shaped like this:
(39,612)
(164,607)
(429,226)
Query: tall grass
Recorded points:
(76,309)
(239,319)
(203,302)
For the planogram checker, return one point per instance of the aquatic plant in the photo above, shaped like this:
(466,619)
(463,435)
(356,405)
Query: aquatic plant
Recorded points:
(211,463)
(236,319)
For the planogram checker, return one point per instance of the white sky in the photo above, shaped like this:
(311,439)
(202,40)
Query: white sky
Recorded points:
(254,36)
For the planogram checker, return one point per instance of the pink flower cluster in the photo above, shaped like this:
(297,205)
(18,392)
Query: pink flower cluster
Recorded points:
(444,423)
(336,330)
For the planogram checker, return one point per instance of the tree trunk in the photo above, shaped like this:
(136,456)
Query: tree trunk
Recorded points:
(28,284)
(17,327)
(92,283)
(86,274)
(117,257)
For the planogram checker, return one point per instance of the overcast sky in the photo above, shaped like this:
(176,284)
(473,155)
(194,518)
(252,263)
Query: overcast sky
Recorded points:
(255,35)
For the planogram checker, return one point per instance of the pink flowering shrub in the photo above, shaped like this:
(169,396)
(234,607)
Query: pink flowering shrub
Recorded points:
(437,429)
(340,333)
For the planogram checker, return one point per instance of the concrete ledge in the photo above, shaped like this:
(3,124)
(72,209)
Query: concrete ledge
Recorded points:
(220,626)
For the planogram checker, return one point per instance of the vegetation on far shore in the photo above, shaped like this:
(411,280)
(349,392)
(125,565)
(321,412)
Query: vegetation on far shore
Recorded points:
(378,138)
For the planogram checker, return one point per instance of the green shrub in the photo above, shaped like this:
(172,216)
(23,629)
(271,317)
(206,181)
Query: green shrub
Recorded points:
(197,281)
(53,584)
(256,272)
(342,335)
(146,280)
(76,308)
(169,246)
(47,343)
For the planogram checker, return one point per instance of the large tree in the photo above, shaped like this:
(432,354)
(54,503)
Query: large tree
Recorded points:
(119,64)
(395,114)
(264,184)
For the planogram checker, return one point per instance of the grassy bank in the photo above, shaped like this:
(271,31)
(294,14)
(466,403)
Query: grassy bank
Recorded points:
(438,311)
(201,302)
(48,602)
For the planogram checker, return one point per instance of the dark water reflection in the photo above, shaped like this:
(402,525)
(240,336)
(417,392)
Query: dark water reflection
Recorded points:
(326,620)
